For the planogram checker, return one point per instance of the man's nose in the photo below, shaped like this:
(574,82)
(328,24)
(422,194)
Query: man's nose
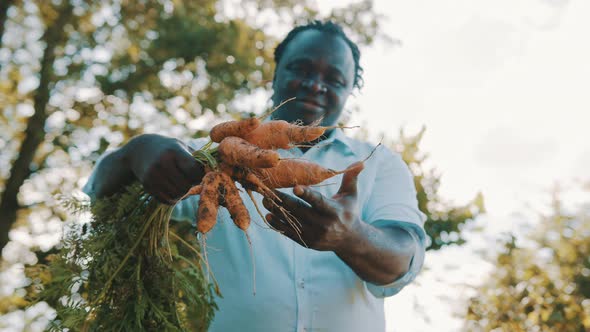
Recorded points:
(314,85)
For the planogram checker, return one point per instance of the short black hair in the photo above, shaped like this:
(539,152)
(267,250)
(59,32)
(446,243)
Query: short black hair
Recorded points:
(329,27)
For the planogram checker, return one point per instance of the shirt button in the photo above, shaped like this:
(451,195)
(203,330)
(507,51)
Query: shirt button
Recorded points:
(301,283)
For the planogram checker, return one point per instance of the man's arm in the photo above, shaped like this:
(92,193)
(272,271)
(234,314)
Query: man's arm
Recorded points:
(163,165)
(378,255)
(110,175)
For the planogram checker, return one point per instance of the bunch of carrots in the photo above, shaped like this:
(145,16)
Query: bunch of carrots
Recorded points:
(247,154)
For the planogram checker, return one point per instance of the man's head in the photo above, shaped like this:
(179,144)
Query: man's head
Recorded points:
(319,65)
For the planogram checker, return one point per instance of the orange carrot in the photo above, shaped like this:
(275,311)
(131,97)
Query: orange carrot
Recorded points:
(238,152)
(195,190)
(248,180)
(232,171)
(233,128)
(234,204)
(279,134)
(208,202)
(299,134)
(291,172)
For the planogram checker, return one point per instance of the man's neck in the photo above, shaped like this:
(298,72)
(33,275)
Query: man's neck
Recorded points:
(308,145)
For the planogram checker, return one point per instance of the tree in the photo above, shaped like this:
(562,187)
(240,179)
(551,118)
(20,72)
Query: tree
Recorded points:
(542,284)
(34,134)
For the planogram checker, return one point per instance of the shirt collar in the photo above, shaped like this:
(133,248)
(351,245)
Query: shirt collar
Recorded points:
(337,137)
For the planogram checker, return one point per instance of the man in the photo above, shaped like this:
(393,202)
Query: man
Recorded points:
(357,244)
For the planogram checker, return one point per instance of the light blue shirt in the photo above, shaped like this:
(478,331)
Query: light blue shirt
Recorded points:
(300,289)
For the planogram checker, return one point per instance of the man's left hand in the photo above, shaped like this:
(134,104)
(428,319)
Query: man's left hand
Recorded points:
(324,223)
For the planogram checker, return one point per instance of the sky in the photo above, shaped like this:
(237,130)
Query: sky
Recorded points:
(503,90)
(501,86)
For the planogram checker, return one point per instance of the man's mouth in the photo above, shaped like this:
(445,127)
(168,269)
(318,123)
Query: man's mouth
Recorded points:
(310,105)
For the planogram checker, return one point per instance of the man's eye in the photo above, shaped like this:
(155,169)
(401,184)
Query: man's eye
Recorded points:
(336,82)
(298,69)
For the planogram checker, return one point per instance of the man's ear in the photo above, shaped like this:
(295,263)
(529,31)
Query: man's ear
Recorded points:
(272,96)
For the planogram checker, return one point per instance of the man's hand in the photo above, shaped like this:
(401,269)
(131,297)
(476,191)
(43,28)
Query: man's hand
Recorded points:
(376,255)
(326,223)
(163,165)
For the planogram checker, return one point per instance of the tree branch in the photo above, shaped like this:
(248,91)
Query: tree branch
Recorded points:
(35,133)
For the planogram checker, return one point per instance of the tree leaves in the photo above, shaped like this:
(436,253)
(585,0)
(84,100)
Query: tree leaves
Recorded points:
(544,286)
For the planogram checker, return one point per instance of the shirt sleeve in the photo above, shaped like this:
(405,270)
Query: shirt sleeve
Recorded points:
(186,210)
(415,265)
(88,189)
(392,203)
(392,194)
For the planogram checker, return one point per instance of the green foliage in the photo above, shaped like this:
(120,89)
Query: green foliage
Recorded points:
(177,40)
(121,272)
(543,285)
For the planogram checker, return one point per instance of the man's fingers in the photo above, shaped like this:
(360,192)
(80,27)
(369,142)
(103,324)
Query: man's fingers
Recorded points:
(159,195)
(276,222)
(191,169)
(271,206)
(314,198)
(287,202)
(349,181)
(282,226)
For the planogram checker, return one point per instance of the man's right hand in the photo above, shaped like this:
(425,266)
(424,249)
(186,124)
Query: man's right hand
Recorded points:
(163,165)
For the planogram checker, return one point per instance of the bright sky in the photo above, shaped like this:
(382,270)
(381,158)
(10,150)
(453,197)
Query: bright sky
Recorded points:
(503,88)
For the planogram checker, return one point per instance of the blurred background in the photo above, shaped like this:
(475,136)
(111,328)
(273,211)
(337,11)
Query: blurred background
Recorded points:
(487,101)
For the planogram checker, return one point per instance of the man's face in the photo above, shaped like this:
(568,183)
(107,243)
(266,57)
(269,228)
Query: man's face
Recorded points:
(316,68)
